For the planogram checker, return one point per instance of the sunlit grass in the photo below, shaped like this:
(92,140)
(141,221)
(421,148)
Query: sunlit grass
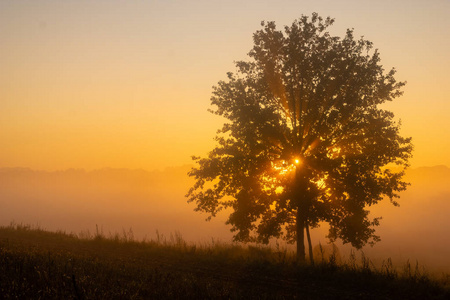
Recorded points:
(35,263)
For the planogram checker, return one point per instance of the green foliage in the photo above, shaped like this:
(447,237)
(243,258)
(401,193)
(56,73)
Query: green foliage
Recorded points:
(306,139)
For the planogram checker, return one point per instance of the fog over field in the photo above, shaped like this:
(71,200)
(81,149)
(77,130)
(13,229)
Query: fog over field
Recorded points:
(112,199)
(116,200)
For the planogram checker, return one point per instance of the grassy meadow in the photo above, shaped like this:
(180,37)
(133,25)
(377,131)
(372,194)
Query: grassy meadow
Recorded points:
(39,264)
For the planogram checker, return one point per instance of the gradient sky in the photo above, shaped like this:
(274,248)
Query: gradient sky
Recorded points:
(126,84)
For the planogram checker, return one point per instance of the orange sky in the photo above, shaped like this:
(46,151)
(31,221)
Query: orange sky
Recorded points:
(126,84)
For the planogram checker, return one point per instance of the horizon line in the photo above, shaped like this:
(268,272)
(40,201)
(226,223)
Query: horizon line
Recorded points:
(153,170)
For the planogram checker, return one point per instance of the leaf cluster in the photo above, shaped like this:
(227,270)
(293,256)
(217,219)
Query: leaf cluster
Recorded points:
(305,132)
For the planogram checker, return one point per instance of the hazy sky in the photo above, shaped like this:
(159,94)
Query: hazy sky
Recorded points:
(92,84)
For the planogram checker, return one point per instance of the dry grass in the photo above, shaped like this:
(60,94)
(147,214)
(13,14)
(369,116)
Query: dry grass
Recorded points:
(47,265)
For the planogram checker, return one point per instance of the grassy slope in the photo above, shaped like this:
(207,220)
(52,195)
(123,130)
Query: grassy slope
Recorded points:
(39,264)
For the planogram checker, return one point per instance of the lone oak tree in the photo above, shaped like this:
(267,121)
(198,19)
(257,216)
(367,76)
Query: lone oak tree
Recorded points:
(306,139)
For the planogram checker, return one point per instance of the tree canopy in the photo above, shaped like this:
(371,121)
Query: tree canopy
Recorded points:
(306,139)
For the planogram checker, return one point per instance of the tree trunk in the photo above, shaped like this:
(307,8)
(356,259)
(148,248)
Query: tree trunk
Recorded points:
(311,256)
(300,222)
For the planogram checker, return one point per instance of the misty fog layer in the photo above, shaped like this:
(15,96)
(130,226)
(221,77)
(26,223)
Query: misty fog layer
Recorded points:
(117,200)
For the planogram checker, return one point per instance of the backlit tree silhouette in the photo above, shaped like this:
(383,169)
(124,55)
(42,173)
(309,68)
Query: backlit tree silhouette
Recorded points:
(306,139)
